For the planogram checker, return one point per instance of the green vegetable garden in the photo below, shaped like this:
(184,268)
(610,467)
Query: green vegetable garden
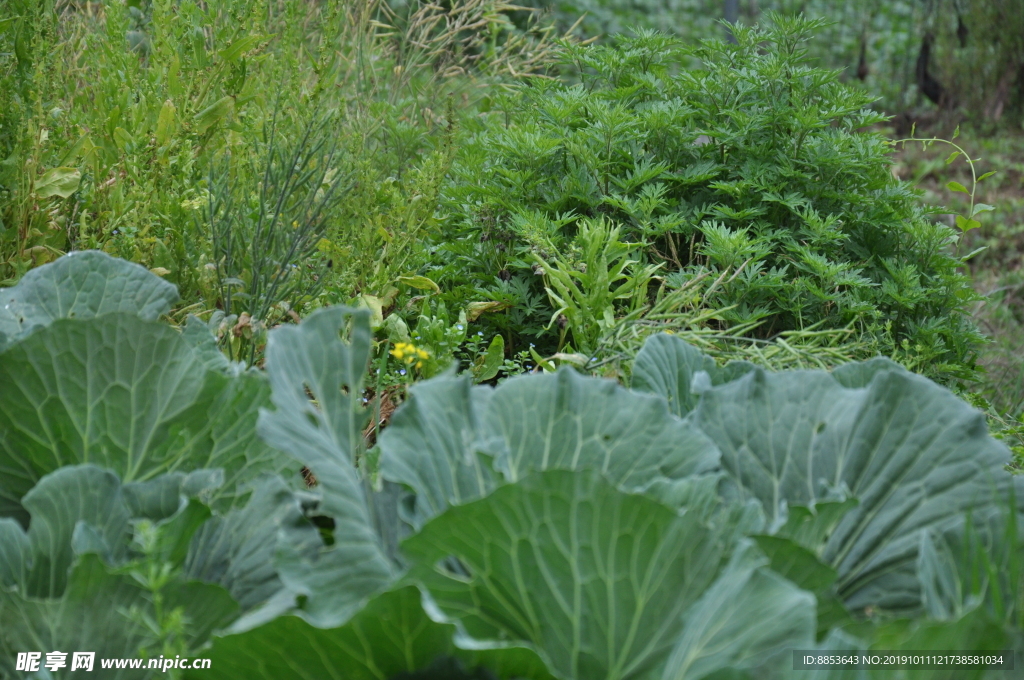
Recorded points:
(355,339)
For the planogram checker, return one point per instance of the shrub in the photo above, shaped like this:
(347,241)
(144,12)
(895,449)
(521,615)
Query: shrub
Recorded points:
(555,526)
(739,163)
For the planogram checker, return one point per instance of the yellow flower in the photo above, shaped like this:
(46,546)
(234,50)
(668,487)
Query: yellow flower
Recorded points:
(408,353)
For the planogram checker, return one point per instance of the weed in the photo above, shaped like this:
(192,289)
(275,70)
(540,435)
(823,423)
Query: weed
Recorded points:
(265,244)
(750,172)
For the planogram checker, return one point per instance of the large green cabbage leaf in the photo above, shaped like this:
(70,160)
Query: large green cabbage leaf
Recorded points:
(673,369)
(126,394)
(604,584)
(390,636)
(89,376)
(81,285)
(452,442)
(700,525)
(318,417)
(913,455)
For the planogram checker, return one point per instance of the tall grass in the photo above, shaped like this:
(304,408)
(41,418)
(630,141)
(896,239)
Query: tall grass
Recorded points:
(142,99)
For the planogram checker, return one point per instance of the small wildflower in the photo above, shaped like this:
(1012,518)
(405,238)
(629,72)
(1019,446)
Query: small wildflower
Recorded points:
(409,354)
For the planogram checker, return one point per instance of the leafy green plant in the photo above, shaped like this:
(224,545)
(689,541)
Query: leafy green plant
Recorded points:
(183,404)
(586,295)
(178,87)
(556,526)
(973,44)
(741,163)
(265,247)
(967,222)
(992,258)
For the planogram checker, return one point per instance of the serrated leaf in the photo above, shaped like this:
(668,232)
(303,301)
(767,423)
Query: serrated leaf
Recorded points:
(60,182)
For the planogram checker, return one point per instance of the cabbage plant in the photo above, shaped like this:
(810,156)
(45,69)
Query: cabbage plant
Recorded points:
(703,524)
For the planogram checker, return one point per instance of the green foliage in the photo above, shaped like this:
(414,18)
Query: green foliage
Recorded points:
(968,221)
(587,297)
(975,44)
(993,256)
(182,406)
(738,165)
(555,526)
(177,152)
(77,579)
(265,247)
